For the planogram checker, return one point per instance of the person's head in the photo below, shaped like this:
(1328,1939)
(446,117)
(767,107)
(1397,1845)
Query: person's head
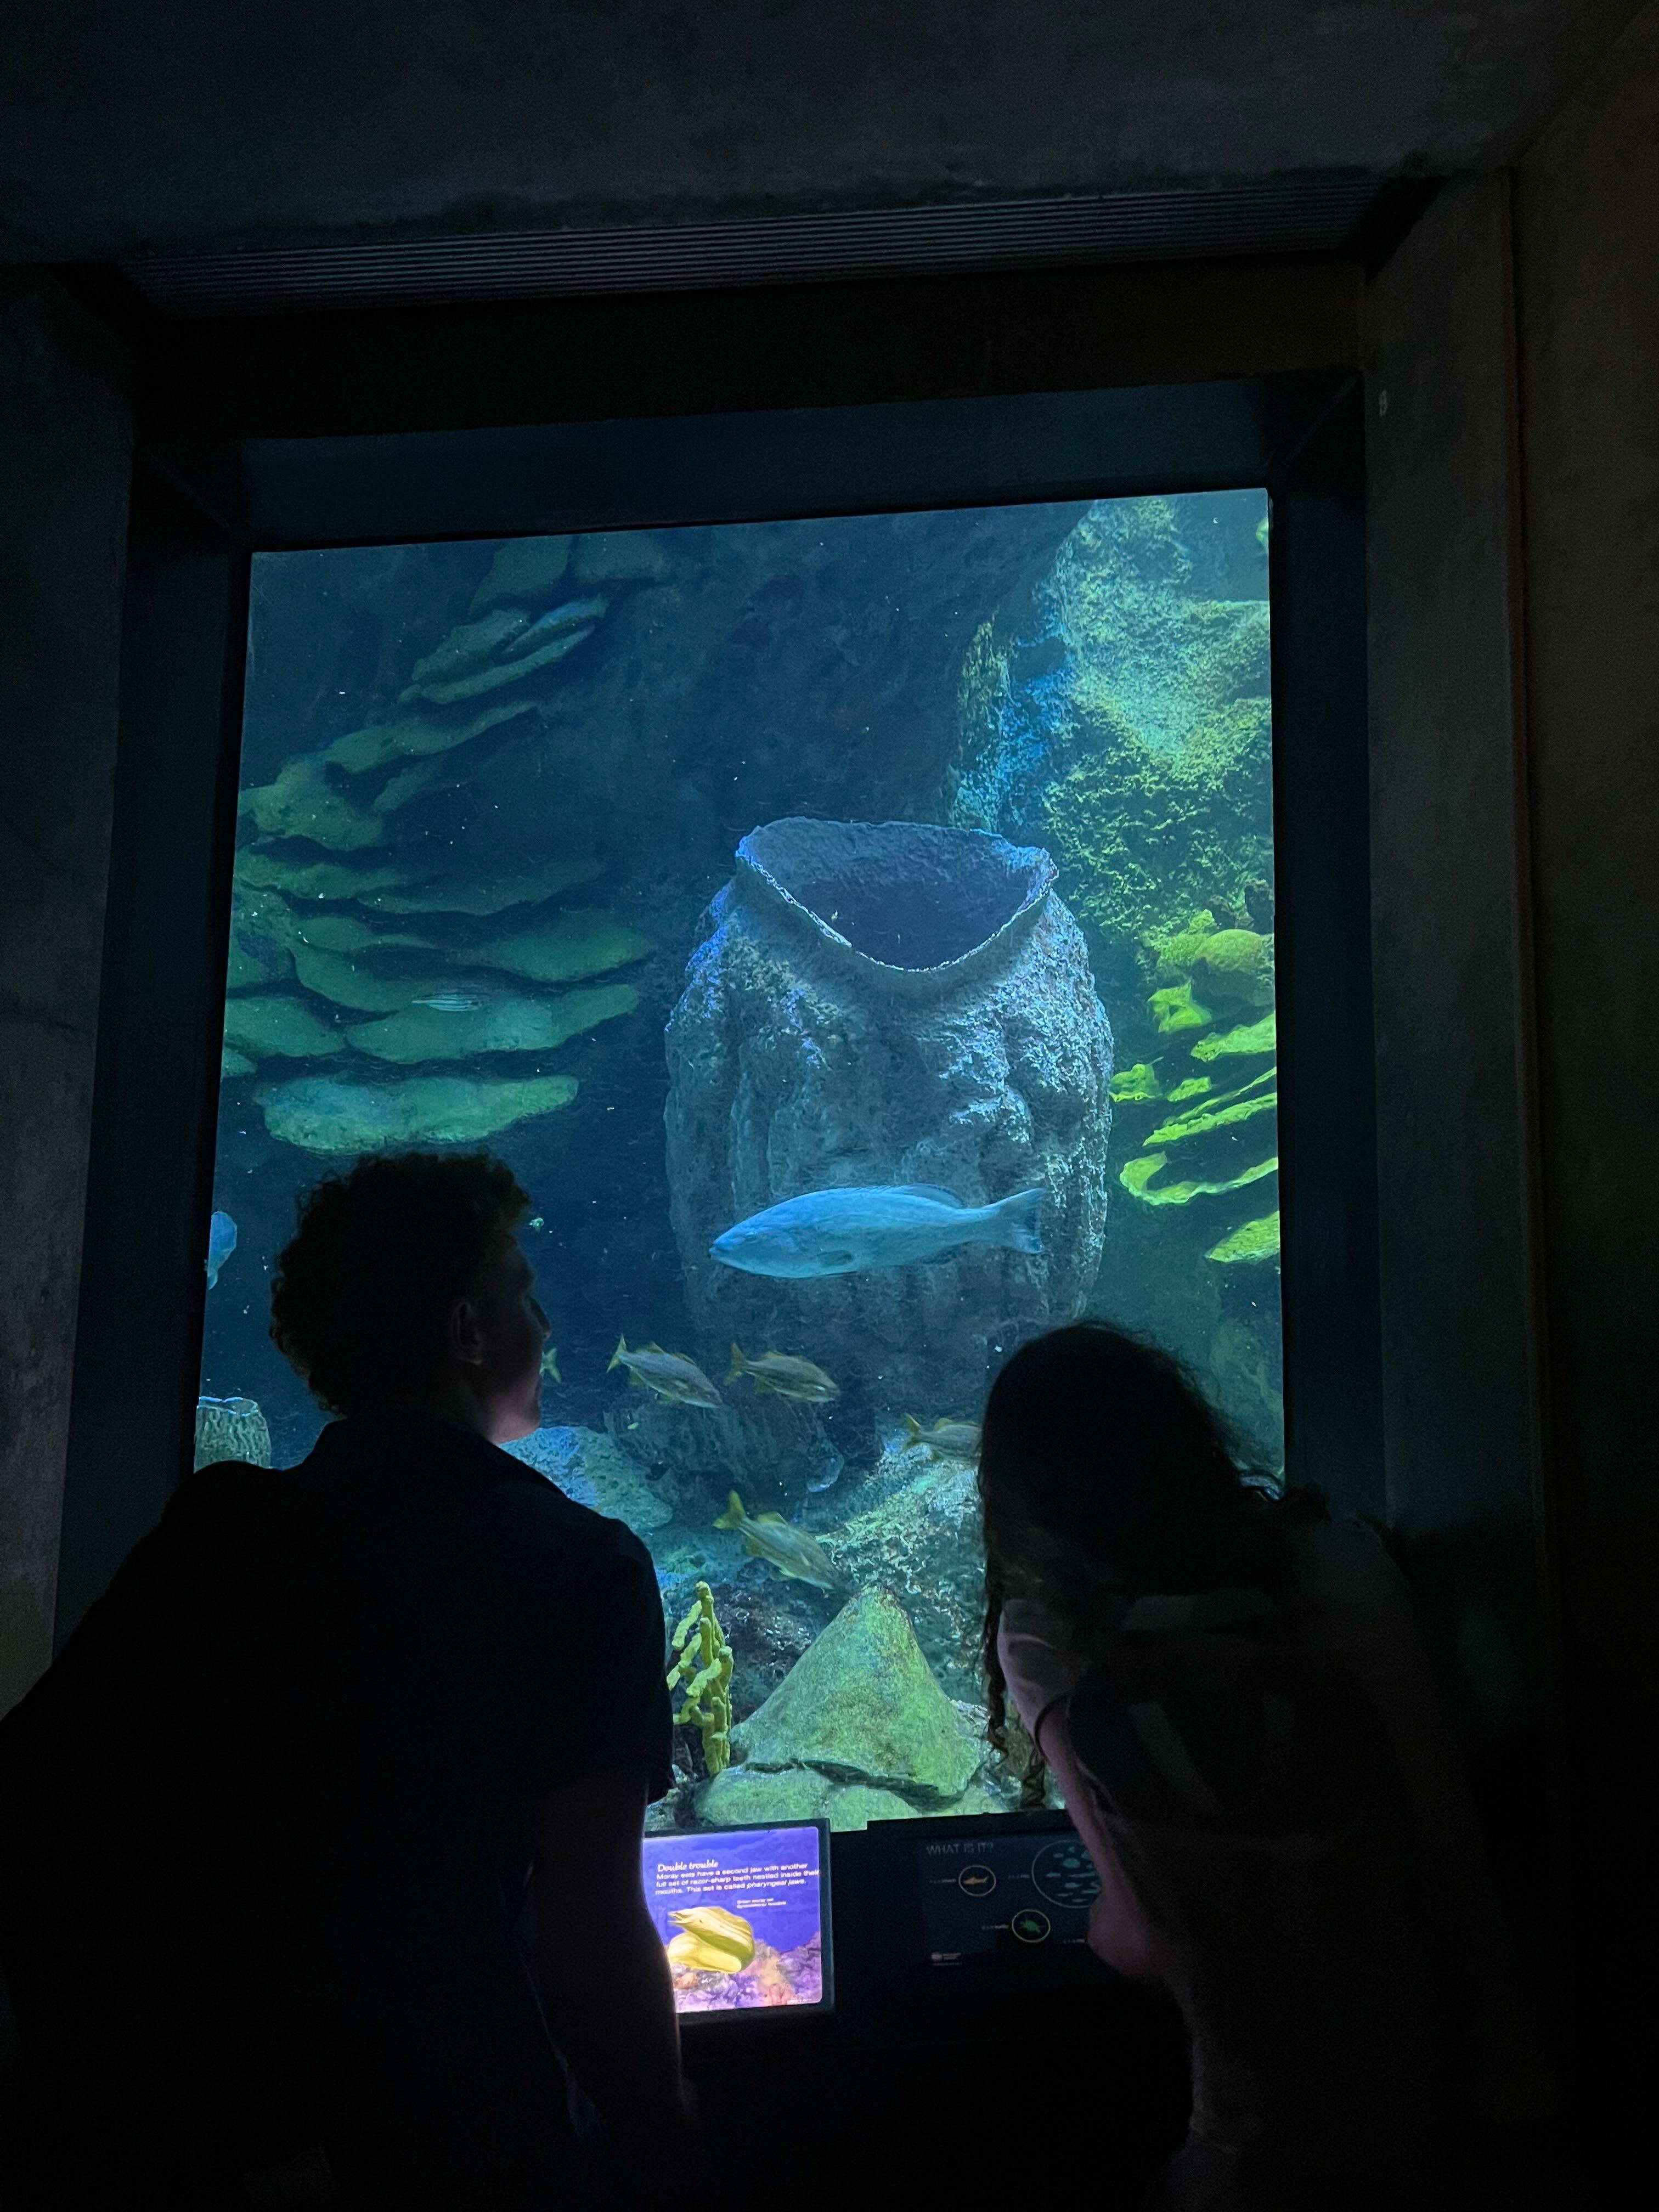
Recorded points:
(405,1284)
(1103,1472)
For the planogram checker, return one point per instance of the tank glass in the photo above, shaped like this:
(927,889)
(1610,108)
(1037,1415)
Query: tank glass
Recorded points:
(857,937)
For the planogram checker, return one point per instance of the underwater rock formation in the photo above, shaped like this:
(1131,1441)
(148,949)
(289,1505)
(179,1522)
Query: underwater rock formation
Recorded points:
(862,1705)
(919,1536)
(739,1799)
(884,1004)
(769,1448)
(590,1470)
(1122,713)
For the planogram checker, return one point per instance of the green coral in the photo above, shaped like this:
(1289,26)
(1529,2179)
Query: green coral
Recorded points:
(1235,964)
(421,1033)
(704,1665)
(264,1025)
(302,802)
(483,669)
(1139,1176)
(1254,1037)
(321,1114)
(485,893)
(1133,1086)
(1255,1243)
(417,737)
(1195,1086)
(525,568)
(1176,1009)
(581,941)
(342,982)
(1224,1113)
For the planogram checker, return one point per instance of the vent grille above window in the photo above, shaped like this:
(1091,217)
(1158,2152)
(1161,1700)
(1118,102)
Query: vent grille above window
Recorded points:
(1311,215)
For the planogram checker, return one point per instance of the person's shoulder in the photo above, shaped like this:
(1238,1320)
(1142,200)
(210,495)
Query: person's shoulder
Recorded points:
(1341,1546)
(225,1498)
(1344,1570)
(533,1505)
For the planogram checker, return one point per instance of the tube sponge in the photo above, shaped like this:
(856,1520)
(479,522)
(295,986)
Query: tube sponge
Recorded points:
(703,1664)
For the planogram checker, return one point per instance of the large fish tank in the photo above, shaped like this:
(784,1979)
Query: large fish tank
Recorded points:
(893,891)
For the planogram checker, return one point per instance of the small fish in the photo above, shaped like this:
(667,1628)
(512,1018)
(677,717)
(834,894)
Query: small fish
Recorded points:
(222,1242)
(838,1232)
(954,1439)
(711,1941)
(670,1374)
(790,1549)
(535,1222)
(550,1364)
(575,614)
(790,1378)
(451,1002)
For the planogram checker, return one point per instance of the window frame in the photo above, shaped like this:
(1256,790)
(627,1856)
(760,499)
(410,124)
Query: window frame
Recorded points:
(204,505)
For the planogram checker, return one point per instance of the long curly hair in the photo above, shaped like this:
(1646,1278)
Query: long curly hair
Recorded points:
(1105,1472)
(362,1296)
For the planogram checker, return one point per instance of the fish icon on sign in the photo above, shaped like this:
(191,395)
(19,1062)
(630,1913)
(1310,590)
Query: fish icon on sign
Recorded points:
(975,1881)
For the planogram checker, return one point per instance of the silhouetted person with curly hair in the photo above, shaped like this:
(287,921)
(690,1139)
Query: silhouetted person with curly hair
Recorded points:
(320,1841)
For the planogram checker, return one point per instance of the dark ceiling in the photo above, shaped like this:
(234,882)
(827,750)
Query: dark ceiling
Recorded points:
(134,125)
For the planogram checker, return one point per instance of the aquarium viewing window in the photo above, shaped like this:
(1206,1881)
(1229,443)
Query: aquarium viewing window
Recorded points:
(858,936)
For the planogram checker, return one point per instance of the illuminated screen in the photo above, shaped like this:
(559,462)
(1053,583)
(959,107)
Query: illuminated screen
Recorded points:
(741,1914)
(995,1893)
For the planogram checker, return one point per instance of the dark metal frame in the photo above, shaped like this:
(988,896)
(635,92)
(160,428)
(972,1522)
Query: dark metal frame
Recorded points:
(203,504)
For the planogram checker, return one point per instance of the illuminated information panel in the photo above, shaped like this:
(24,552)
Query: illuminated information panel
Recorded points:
(742,1914)
(988,1893)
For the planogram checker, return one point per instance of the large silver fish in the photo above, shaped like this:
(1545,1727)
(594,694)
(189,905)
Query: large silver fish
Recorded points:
(837,1232)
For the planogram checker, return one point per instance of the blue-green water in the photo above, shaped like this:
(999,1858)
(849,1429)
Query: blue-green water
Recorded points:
(1001,923)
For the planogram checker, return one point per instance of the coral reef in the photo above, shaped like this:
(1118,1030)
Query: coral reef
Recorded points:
(1256,1241)
(878,1005)
(703,1663)
(323,834)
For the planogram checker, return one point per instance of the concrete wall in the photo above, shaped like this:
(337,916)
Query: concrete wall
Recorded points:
(1587,217)
(1458,1162)
(1452,983)
(1514,522)
(65,457)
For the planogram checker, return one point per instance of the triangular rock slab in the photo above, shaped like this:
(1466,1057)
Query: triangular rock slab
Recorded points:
(861,1704)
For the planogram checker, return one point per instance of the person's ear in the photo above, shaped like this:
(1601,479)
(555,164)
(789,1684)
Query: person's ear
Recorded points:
(465,1336)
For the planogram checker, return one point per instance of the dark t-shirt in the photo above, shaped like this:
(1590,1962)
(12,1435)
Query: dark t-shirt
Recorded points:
(264,1826)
